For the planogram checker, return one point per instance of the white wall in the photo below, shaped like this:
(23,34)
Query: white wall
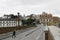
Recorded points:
(9,23)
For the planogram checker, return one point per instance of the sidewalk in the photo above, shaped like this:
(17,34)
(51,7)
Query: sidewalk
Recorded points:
(54,32)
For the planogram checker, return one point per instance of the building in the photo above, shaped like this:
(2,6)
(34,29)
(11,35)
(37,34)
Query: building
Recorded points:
(8,21)
(46,19)
(55,21)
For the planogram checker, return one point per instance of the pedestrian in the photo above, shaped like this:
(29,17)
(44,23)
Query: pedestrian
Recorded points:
(14,34)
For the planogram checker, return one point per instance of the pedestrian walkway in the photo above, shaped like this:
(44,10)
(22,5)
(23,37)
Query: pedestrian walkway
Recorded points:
(54,32)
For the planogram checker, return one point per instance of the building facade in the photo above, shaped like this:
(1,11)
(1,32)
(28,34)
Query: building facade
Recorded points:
(46,19)
(55,21)
(8,21)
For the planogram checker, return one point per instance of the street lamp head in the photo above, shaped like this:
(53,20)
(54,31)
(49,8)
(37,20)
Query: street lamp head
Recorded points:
(18,13)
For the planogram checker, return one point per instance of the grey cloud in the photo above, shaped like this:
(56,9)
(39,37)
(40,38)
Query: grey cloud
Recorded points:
(30,6)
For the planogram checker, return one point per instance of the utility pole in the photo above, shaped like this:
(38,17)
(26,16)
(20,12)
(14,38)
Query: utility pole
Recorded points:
(18,19)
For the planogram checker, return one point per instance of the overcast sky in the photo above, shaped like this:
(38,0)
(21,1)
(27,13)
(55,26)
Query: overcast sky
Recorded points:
(29,7)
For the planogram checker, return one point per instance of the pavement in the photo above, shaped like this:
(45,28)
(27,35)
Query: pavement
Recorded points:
(55,32)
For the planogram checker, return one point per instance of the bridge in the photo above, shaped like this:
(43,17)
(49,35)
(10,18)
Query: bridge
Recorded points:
(37,33)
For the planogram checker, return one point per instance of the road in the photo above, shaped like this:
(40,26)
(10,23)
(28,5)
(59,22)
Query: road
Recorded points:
(9,34)
(38,34)
(33,34)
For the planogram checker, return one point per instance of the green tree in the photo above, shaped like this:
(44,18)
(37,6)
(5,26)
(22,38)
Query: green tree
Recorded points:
(30,21)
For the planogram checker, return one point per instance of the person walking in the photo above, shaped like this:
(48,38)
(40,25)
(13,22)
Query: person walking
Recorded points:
(14,34)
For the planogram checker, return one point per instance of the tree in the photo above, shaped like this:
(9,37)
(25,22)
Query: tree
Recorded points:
(24,22)
(30,21)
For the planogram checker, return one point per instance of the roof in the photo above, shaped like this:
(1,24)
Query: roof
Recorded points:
(10,19)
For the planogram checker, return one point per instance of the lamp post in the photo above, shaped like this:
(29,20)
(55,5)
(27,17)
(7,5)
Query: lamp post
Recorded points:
(18,19)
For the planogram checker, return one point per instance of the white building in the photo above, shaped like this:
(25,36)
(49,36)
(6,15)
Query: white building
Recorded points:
(9,22)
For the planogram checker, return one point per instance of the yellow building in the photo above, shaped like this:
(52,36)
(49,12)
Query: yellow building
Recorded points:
(46,19)
(55,21)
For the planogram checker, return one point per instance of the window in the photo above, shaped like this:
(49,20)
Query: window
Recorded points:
(8,21)
(0,24)
(3,24)
(7,24)
(12,24)
(0,21)
(55,22)
(3,21)
(14,21)
(45,20)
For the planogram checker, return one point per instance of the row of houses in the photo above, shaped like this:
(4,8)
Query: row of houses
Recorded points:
(13,20)
(9,21)
(44,18)
(48,19)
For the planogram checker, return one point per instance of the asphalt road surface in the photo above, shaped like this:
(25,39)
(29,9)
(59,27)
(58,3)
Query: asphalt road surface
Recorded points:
(36,33)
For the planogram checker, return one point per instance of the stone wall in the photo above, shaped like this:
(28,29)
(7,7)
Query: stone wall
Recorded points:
(9,29)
